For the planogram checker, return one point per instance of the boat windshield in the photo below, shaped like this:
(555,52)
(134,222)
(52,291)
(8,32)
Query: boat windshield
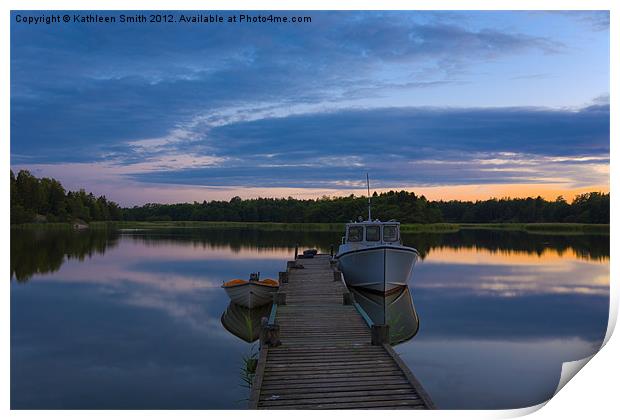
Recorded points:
(373,233)
(390,233)
(355,234)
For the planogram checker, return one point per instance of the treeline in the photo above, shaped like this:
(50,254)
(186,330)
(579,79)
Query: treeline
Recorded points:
(585,208)
(406,207)
(45,200)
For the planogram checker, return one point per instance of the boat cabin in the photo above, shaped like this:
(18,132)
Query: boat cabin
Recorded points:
(372,232)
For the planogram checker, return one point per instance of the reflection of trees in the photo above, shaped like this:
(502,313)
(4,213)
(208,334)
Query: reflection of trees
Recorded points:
(238,239)
(594,247)
(585,246)
(44,251)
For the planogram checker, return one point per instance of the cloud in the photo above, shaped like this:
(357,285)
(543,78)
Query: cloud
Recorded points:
(598,20)
(400,146)
(82,91)
(302,106)
(404,146)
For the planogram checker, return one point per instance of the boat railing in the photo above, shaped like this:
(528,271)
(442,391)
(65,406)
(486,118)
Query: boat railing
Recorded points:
(270,330)
(363,313)
(272,314)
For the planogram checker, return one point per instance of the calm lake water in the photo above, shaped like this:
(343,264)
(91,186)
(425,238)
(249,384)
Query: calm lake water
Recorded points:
(132,319)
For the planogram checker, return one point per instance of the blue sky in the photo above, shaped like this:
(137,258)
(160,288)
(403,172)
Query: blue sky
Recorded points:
(450,104)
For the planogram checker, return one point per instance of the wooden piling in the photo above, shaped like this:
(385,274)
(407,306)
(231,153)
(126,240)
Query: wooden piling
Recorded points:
(279,298)
(379,334)
(283,277)
(347,298)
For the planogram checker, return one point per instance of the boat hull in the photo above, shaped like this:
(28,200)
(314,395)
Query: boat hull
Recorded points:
(251,294)
(380,268)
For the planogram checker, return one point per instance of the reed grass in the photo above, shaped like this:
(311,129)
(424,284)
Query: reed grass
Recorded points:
(271,226)
(547,228)
(44,226)
(430,227)
(248,368)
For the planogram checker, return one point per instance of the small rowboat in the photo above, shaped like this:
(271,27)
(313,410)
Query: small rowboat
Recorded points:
(251,293)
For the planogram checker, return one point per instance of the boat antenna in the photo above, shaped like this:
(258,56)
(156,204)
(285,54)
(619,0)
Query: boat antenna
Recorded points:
(368,195)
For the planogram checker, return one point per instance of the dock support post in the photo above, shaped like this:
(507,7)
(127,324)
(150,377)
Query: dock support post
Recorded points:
(347,298)
(331,251)
(279,298)
(269,333)
(283,277)
(296,250)
(380,334)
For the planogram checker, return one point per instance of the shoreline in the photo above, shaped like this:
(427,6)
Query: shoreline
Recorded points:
(533,228)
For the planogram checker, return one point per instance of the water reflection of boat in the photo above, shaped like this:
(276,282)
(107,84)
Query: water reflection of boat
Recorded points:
(394,309)
(244,322)
(251,293)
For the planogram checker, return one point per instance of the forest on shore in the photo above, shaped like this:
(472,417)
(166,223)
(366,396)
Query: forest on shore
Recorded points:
(46,200)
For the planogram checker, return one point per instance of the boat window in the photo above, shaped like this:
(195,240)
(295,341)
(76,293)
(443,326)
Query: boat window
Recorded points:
(373,233)
(355,234)
(390,233)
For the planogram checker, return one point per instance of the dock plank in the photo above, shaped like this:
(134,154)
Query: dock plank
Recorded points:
(326,360)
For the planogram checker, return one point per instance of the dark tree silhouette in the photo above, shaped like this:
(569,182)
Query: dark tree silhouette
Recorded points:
(45,199)
(407,207)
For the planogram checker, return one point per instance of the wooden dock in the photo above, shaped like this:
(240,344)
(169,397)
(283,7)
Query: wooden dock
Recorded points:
(316,351)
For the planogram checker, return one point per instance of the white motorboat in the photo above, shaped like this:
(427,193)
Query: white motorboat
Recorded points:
(372,255)
(251,293)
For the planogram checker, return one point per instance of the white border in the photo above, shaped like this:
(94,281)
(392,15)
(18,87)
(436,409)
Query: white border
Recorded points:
(592,394)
